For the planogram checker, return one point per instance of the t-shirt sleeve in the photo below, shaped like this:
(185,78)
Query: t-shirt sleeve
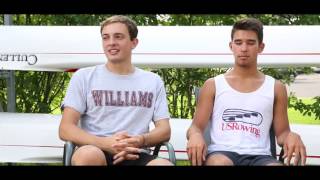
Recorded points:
(161,105)
(75,96)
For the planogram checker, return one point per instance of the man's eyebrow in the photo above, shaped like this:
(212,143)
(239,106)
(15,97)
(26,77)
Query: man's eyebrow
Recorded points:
(118,34)
(248,40)
(104,34)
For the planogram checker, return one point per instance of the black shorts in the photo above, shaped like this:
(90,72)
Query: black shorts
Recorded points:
(247,159)
(143,160)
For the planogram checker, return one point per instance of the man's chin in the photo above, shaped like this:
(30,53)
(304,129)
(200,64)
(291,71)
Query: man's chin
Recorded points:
(115,60)
(243,64)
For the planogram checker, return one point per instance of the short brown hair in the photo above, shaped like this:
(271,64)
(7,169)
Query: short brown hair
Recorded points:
(130,24)
(249,24)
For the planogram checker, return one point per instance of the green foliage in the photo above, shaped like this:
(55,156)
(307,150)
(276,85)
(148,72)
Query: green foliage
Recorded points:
(61,19)
(286,75)
(1,19)
(307,108)
(3,94)
(295,117)
(146,19)
(179,84)
(43,93)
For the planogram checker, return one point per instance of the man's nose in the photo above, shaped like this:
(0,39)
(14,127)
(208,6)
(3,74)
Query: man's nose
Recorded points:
(244,47)
(112,41)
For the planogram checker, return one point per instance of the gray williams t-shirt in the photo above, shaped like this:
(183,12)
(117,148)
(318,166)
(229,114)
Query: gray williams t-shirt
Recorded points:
(109,103)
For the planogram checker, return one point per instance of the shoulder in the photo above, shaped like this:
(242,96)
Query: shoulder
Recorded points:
(148,74)
(280,89)
(83,74)
(279,85)
(209,82)
(85,71)
(209,87)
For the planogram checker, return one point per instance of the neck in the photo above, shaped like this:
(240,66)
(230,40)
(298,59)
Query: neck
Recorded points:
(245,72)
(120,68)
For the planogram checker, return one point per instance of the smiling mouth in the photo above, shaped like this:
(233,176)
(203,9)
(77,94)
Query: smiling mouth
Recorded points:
(113,52)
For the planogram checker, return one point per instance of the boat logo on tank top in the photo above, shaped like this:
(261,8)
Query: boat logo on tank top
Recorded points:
(241,115)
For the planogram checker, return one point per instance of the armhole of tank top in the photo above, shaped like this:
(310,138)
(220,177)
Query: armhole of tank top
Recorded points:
(273,83)
(219,84)
(270,81)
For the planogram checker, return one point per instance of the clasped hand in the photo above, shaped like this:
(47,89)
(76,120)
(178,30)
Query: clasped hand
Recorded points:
(126,147)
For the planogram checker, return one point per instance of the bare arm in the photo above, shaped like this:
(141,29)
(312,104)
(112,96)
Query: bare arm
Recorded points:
(290,141)
(69,131)
(280,114)
(160,133)
(196,146)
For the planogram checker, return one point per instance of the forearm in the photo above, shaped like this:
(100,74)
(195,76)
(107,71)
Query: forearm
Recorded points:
(80,137)
(156,136)
(70,132)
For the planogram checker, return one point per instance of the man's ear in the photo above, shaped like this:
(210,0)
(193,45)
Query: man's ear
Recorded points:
(261,47)
(230,45)
(135,42)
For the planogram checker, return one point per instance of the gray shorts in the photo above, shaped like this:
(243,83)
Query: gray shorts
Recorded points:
(247,159)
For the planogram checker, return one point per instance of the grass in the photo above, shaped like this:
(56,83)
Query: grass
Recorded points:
(295,117)
(183,163)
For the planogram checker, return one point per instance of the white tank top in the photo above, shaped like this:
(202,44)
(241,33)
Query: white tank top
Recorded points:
(241,121)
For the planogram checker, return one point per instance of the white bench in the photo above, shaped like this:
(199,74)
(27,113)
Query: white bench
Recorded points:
(33,138)
(30,138)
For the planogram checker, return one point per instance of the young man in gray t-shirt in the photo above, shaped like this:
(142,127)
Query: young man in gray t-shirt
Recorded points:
(115,103)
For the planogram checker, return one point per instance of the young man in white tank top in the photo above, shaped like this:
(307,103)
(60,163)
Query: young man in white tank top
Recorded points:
(241,105)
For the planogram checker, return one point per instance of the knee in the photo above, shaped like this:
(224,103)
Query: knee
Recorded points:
(88,155)
(218,160)
(160,162)
(274,164)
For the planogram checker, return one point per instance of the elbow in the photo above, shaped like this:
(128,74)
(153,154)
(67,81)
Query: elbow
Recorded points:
(62,133)
(167,134)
